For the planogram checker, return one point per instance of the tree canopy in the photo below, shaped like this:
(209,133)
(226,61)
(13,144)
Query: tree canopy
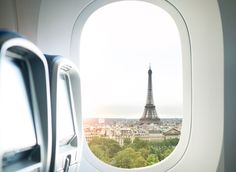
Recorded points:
(139,153)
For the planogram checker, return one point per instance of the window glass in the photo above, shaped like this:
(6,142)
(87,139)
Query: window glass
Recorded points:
(131,76)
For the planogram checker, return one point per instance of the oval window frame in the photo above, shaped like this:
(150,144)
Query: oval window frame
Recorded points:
(179,151)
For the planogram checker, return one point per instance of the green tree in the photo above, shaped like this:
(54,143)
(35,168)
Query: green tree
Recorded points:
(129,158)
(140,153)
(99,151)
(174,141)
(139,162)
(125,158)
(127,142)
(152,159)
(144,152)
(105,149)
(167,152)
(113,148)
(138,144)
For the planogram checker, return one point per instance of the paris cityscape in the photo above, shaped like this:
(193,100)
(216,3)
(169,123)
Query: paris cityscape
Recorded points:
(133,143)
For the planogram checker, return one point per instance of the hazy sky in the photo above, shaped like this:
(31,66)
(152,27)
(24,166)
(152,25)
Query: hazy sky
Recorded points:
(118,43)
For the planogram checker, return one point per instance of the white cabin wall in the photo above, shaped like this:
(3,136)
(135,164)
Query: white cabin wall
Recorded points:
(56,24)
(20,16)
(205,146)
(28,13)
(8,15)
(47,23)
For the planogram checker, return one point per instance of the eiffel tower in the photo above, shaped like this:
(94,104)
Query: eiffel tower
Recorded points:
(149,114)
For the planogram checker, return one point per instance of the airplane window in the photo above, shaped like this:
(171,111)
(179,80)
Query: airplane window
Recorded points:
(64,110)
(18,119)
(132,86)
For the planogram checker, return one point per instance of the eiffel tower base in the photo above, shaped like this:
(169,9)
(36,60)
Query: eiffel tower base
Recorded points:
(149,121)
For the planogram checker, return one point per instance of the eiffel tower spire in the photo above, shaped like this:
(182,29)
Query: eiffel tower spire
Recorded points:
(149,114)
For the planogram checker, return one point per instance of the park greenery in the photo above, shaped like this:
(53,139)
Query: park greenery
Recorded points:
(139,153)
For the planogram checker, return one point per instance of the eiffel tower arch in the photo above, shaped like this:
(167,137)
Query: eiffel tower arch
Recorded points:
(149,115)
